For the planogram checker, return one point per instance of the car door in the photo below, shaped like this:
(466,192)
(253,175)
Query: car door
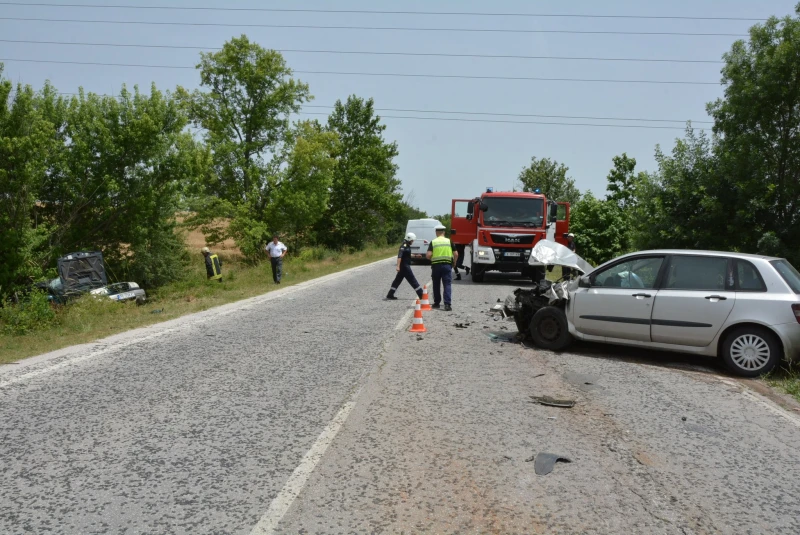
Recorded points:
(695,299)
(618,301)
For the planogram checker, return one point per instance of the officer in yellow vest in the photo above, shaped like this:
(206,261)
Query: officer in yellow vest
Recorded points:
(443,258)
(213,265)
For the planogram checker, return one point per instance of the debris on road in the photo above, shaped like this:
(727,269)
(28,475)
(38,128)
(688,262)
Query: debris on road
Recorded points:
(461,325)
(543,463)
(540,375)
(157,311)
(551,402)
(494,338)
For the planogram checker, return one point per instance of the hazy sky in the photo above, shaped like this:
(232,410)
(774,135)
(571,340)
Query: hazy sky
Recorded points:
(439,160)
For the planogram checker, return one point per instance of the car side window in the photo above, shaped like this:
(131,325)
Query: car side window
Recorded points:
(748,279)
(697,273)
(633,273)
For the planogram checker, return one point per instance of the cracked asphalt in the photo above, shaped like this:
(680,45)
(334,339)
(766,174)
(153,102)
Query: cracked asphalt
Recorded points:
(196,425)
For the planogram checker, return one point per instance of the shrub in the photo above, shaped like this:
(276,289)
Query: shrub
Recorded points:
(31,314)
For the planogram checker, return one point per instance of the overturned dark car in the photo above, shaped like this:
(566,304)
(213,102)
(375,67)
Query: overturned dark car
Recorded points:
(84,272)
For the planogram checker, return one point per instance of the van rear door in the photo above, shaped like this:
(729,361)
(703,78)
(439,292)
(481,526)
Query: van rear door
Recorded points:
(463,222)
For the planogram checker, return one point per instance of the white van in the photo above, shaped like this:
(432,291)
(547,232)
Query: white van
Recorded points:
(425,229)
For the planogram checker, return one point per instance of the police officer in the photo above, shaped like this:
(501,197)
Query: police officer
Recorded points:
(213,265)
(404,268)
(443,258)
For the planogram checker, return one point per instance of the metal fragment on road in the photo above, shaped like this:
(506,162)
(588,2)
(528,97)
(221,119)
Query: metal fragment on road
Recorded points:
(543,463)
(552,402)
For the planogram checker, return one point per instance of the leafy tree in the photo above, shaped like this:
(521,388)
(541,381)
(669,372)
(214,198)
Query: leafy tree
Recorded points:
(600,229)
(116,183)
(27,139)
(301,188)
(551,177)
(245,117)
(622,182)
(758,124)
(365,198)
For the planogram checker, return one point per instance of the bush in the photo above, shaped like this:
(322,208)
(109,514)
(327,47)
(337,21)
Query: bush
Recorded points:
(31,314)
(312,254)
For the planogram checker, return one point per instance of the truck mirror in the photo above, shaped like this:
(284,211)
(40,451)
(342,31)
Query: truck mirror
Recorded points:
(470,209)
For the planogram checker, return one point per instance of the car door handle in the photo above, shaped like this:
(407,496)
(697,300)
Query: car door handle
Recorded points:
(646,296)
(720,297)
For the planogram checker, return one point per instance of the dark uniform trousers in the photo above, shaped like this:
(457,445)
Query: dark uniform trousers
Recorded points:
(406,273)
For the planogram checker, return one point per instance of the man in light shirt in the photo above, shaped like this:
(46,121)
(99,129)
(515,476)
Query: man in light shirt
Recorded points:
(276,251)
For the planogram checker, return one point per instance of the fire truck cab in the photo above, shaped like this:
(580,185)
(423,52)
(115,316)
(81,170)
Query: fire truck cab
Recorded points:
(499,230)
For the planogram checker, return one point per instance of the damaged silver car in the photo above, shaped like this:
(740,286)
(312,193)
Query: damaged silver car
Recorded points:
(742,308)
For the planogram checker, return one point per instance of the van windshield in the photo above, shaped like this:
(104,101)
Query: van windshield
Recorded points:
(512,211)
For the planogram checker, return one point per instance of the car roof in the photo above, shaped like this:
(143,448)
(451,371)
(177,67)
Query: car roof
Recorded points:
(703,253)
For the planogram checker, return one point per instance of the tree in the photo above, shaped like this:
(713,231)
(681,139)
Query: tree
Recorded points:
(600,229)
(27,140)
(365,195)
(245,118)
(551,177)
(758,125)
(621,187)
(302,187)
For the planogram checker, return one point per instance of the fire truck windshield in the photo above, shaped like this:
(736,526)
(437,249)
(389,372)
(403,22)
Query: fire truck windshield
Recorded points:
(513,211)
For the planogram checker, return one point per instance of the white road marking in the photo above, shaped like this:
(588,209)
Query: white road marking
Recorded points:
(184,322)
(280,505)
(764,402)
(404,320)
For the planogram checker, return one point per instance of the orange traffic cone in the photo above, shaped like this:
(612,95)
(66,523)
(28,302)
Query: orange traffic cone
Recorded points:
(417,326)
(425,303)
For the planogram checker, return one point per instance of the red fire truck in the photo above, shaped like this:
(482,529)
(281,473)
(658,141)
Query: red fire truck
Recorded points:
(499,229)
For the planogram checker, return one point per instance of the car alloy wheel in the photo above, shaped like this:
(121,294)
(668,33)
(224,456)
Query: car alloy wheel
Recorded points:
(750,352)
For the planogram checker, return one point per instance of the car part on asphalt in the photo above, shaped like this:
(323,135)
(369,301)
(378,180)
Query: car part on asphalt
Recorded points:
(543,463)
(552,402)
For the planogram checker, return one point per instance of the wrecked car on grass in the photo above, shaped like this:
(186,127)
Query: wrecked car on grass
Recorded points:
(742,308)
(84,272)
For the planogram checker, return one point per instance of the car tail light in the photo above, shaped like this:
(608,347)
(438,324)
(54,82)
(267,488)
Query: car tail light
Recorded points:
(796,310)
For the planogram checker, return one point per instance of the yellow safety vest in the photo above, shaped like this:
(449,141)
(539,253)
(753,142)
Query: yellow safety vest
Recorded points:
(215,266)
(442,252)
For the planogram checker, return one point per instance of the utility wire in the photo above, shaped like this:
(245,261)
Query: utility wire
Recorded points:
(388,74)
(380,28)
(483,113)
(502,121)
(370,53)
(498,121)
(375,12)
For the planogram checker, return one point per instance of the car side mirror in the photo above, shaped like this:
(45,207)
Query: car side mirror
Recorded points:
(584,282)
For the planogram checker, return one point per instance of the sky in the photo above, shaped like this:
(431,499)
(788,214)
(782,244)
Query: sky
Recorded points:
(439,160)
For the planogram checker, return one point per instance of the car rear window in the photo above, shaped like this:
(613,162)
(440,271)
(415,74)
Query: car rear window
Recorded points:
(748,279)
(696,273)
(789,274)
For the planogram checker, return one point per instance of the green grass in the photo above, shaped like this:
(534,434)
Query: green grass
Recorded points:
(90,319)
(786,378)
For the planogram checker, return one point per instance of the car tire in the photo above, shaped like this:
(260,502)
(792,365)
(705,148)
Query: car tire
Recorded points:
(751,351)
(478,274)
(549,329)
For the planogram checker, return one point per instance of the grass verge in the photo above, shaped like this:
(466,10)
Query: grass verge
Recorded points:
(90,319)
(787,379)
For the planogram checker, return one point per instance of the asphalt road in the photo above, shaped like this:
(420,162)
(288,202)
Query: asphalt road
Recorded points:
(313,410)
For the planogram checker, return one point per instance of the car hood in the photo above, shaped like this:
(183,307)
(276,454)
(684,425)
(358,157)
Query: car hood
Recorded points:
(549,253)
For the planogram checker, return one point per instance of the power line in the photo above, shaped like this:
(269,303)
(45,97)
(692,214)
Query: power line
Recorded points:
(375,12)
(502,121)
(379,28)
(482,113)
(388,74)
(371,53)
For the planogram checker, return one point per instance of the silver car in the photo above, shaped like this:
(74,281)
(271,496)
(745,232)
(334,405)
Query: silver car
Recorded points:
(742,308)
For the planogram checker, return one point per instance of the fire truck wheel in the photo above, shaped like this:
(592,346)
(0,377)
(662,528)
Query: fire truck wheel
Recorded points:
(549,329)
(477,274)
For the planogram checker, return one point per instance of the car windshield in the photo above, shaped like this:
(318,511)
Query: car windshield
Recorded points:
(511,211)
(789,274)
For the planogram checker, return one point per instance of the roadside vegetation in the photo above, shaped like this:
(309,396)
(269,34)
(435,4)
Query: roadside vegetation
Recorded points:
(37,327)
(786,378)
